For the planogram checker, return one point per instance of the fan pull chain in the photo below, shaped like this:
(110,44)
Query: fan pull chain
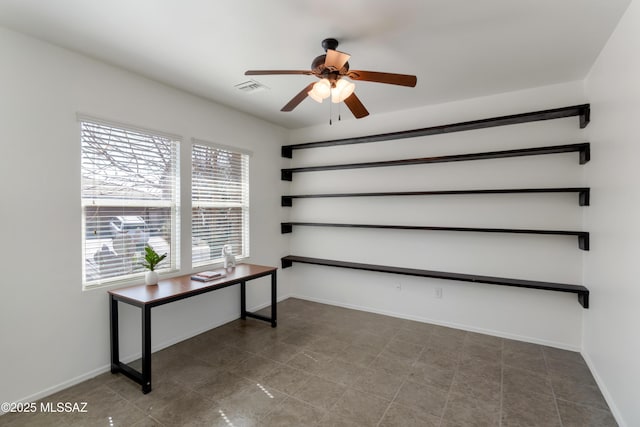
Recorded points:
(330,113)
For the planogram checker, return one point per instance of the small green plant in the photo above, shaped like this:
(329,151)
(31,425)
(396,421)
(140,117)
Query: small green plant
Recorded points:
(151,258)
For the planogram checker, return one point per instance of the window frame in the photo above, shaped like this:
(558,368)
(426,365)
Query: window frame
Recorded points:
(245,204)
(173,204)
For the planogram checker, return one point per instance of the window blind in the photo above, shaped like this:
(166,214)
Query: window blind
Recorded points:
(130,197)
(220,203)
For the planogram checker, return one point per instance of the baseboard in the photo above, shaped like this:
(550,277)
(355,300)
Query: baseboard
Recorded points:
(129,358)
(605,392)
(440,323)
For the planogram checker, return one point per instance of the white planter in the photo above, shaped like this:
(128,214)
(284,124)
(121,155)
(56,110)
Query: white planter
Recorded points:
(151,278)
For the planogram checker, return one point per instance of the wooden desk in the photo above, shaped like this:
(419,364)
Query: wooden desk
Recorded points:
(175,289)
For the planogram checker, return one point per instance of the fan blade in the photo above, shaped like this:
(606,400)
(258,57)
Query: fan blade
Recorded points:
(389,78)
(336,59)
(266,72)
(298,98)
(356,107)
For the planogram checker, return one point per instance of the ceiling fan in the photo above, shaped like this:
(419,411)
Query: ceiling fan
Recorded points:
(331,68)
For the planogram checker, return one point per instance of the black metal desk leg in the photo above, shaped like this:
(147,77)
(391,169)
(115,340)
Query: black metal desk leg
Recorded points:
(274,297)
(146,349)
(115,350)
(243,300)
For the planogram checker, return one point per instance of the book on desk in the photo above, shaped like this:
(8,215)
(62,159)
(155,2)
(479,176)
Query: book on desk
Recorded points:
(208,276)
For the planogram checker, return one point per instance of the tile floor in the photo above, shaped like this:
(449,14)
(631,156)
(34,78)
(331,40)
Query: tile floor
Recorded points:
(330,366)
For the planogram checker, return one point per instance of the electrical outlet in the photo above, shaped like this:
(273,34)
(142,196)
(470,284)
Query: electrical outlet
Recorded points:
(438,292)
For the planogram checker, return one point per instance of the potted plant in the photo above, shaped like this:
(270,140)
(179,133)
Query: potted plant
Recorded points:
(151,260)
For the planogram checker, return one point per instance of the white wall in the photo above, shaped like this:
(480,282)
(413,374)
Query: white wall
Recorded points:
(611,344)
(539,316)
(53,333)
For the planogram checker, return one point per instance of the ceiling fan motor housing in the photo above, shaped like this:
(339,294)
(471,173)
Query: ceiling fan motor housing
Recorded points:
(320,70)
(317,66)
(329,44)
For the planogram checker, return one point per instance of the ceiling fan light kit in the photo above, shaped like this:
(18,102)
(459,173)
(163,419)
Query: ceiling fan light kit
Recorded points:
(321,90)
(339,91)
(330,68)
(342,90)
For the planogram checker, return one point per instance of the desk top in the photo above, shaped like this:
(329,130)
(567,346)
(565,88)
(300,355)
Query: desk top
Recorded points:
(173,289)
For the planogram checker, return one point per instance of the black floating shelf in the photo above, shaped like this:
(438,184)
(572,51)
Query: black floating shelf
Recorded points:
(582,111)
(583,193)
(583,236)
(583,148)
(581,291)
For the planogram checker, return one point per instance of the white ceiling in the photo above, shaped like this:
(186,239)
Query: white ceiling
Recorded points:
(457,48)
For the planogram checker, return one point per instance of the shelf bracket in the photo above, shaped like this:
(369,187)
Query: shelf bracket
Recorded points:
(583,298)
(286,263)
(286,175)
(585,153)
(583,241)
(287,151)
(585,116)
(584,197)
(286,201)
(286,227)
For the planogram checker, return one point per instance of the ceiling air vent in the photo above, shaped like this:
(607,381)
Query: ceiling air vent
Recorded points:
(250,86)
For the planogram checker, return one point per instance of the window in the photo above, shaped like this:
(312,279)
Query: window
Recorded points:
(219,201)
(130,198)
